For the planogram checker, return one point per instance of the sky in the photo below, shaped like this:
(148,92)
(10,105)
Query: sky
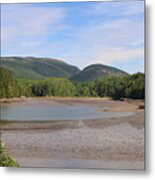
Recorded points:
(79,33)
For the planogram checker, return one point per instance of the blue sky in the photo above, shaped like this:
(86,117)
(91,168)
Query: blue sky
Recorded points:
(81,33)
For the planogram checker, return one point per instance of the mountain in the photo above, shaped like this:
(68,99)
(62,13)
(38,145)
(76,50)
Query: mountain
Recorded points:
(97,71)
(38,68)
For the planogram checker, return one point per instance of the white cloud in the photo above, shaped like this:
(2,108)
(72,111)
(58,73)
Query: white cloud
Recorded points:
(109,9)
(122,32)
(27,21)
(105,55)
(107,43)
(113,55)
(117,36)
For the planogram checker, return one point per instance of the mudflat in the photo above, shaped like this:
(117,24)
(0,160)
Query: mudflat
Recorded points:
(109,143)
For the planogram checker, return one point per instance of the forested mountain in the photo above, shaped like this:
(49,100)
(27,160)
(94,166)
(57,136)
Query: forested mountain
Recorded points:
(38,68)
(130,86)
(97,71)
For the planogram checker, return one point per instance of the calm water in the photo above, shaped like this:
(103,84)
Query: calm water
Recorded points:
(62,112)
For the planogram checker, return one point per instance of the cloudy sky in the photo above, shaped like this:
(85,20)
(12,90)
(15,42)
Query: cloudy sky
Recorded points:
(80,33)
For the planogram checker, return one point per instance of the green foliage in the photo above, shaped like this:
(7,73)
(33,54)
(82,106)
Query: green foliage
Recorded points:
(8,84)
(97,71)
(131,86)
(136,87)
(82,90)
(37,68)
(40,68)
(47,87)
(5,159)
(113,87)
(117,87)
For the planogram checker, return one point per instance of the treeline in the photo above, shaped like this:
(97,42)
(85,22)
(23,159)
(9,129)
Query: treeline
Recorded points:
(8,84)
(47,87)
(131,86)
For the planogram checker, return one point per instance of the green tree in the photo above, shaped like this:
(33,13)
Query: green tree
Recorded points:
(8,84)
(5,159)
(136,86)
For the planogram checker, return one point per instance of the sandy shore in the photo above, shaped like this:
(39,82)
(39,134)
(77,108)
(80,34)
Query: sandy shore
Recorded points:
(116,143)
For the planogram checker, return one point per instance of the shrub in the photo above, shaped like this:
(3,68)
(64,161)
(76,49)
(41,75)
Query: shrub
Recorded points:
(5,159)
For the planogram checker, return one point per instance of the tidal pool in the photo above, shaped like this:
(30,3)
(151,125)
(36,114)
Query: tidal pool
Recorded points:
(44,112)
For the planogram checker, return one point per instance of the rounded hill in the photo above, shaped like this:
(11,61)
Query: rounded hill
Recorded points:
(97,71)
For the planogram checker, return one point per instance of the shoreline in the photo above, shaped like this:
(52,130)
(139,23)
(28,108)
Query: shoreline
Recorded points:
(114,105)
(135,120)
(14,99)
(24,98)
(104,143)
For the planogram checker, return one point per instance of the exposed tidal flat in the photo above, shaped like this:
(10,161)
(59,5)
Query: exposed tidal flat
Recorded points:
(115,142)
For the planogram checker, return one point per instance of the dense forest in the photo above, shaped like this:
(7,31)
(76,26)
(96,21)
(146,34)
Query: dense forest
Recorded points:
(8,84)
(116,87)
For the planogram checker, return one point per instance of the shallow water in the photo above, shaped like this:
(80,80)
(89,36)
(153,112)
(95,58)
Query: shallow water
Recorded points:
(31,112)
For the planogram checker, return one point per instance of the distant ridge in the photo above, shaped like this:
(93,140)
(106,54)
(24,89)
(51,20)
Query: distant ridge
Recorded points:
(97,71)
(39,68)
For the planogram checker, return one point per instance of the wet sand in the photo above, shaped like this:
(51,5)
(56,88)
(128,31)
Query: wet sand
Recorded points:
(108,143)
